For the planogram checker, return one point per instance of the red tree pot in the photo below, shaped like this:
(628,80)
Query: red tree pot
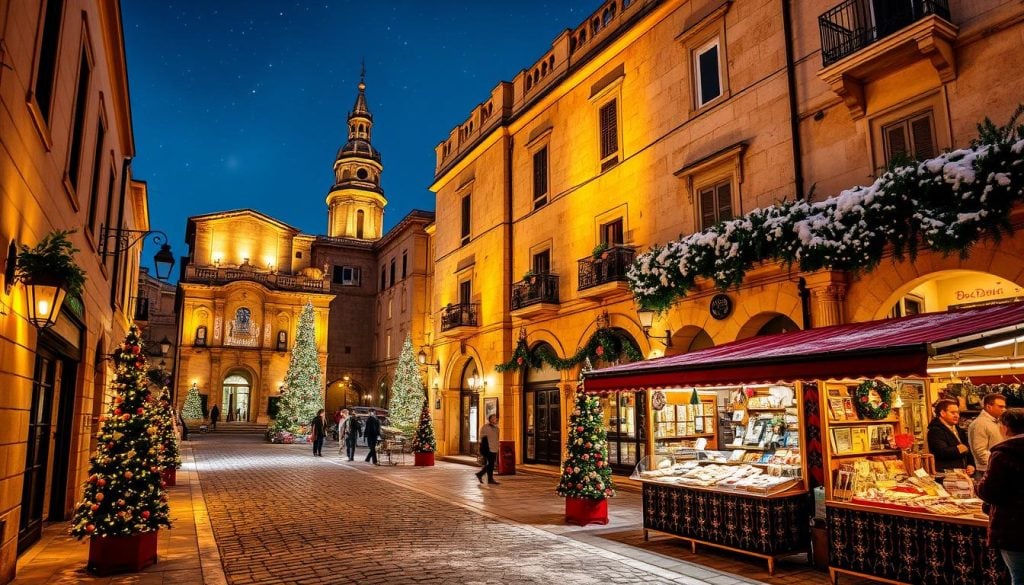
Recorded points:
(109,555)
(423,459)
(583,511)
(170,476)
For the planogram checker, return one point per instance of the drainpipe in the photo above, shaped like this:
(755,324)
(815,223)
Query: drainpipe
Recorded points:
(794,117)
(805,302)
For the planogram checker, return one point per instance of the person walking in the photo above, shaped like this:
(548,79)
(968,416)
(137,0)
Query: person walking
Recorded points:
(318,431)
(983,432)
(339,430)
(352,430)
(214,417)
(1000,488)
(336,427)
(489,449)
(371,430)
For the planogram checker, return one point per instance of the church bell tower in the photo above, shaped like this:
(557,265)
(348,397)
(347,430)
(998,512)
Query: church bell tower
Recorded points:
(355,202)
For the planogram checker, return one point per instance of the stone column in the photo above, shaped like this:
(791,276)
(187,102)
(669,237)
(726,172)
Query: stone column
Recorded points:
(828,293)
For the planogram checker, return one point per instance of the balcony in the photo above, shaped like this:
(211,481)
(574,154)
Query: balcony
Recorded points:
(460,320)
(605,275)
(217,275)
(862,40)
(535,296)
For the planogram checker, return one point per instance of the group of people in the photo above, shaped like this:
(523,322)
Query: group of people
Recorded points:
(347,428)
(991,449)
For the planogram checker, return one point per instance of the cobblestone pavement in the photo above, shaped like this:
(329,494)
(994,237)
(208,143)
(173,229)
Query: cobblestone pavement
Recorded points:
(283,516)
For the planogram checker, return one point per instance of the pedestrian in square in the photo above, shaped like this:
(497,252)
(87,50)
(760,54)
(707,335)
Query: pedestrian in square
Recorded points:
(352,430)
(489,448)
(214,417)
(371,430)
(318,428)
(1000,488)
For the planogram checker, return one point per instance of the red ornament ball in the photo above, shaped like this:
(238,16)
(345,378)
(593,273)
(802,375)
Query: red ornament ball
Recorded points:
(94,507)
(140,410)
(136,349)
(101,482)
(117,411)
(128,475)
(519,360)
(100,496)
(90,528)
(126,416)
(145,513)
(600,350)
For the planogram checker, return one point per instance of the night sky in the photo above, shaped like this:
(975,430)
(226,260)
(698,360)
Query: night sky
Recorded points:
(243,103)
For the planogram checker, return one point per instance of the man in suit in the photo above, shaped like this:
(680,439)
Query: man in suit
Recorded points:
(948,442)
(371,430)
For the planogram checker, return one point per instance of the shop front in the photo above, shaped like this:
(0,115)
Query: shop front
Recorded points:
(846,406)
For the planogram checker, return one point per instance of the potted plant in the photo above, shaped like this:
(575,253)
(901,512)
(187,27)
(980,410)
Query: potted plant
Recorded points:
(423,443)
(600,251)
(586,480)
(530,276)
(50,273)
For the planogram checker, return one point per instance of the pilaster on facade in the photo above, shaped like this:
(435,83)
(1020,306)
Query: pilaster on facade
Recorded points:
(828,290)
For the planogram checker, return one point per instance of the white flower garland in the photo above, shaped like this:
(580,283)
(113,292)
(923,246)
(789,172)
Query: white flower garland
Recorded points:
(947,203)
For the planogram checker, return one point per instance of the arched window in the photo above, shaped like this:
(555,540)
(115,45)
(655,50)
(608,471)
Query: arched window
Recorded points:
(346,174)
(360,221)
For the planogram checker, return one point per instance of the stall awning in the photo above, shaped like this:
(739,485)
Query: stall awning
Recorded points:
(886,348)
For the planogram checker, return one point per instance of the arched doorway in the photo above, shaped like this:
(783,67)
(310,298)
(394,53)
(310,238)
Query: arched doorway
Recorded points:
(469,411)
(235,399)
(542,414)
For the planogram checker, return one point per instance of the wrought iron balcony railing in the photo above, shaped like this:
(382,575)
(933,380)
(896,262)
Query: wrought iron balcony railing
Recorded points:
(610,266)
(459,315)
(539,288)
(855,24)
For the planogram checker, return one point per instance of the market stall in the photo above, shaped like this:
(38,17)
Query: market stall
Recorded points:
(889,517)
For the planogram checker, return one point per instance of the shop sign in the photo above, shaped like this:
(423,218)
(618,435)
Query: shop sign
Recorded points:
(658,400)
(721,306)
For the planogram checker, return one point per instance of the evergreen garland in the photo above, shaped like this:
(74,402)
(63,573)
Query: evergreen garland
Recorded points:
(193,407)
(947,203)
(423,441)
(585,472)
(124,494)
(605,344)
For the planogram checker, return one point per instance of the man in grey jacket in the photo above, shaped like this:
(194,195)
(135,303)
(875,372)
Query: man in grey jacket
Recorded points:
(983,432)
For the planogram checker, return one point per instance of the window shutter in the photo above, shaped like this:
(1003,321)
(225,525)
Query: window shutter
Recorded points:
(707,208)
(609,130)
(724,201)
(923,137)
(895,140)
(465,218)
(540,174)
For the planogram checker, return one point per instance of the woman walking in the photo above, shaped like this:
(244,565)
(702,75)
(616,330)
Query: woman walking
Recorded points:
(318,427)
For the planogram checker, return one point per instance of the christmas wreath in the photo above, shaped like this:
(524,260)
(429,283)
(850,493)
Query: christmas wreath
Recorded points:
(870,409)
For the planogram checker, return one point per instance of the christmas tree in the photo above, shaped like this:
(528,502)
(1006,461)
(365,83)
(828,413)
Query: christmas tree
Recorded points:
(124,494)
(303,393)
(423,441)
(406,390)
(585,472)
(163,418)
(193,407)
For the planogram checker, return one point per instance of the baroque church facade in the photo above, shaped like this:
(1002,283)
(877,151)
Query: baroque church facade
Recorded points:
(247,277)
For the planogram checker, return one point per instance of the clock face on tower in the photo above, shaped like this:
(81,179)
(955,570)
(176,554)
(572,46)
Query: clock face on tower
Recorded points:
(721,306)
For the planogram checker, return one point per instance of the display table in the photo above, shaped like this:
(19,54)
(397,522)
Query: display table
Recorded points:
(908,547)
(767,527)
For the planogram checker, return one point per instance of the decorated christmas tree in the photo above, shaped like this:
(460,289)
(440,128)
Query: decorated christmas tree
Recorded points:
(585,472)
(423,441)
(163,418)
(124,493)
(303,393)
(406,390)
(193,407)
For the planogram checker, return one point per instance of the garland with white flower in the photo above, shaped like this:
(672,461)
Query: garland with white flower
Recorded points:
(946,203)
(585,472)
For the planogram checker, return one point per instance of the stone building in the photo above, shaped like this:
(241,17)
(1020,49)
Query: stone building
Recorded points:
(247,277)
(656,119)
(67,146)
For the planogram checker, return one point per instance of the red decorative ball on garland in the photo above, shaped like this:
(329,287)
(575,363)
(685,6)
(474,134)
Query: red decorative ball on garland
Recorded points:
(519,360)
(599,351)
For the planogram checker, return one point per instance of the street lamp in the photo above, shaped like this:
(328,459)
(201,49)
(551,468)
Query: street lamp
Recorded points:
(165,346)
(647,321)
(476,382)
(45,297)
(421,357)
(124,239)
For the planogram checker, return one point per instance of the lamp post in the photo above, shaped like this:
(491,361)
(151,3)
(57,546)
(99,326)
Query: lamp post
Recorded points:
(123,240)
